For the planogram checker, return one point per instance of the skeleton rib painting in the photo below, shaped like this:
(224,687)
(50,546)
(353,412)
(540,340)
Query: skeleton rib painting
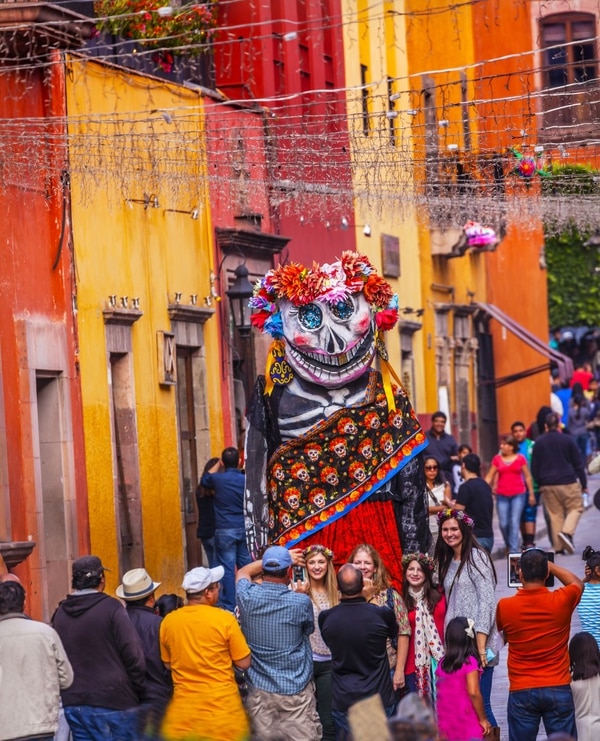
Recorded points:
(332,447)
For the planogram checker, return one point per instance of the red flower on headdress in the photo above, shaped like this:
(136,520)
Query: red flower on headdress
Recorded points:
(386,319)
(258,319)
(378,291)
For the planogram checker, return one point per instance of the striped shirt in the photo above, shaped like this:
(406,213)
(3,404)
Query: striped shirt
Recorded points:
(588,610)
(277,624)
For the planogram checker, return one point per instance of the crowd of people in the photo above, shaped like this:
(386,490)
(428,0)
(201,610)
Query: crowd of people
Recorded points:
(284,647)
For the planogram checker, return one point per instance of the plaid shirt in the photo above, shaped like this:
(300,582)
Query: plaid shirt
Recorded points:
(277,624)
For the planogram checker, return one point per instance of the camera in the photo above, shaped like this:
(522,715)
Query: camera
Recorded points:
(588,552)
(512,570)
(299,573)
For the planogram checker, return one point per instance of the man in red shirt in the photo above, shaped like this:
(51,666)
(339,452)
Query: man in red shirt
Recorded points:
(536,624)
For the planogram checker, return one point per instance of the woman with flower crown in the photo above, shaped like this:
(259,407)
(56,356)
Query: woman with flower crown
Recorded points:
(321,587)
(469,580)
(426,607)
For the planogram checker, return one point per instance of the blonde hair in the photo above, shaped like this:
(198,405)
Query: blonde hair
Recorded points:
(381,576)
(331,587)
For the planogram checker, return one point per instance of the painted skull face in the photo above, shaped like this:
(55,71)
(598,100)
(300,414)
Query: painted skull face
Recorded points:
(366,449)
(313,451)
(292,498)
(396,419)
(338,446)
(300,471)
(372,420)
(317,497)
(278,472)
(329,344)
(271,519)
(358,472)
(329,474)
(284,518)
(387,444)
(347,427)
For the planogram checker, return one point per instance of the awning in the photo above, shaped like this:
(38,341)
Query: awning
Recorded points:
(563,362)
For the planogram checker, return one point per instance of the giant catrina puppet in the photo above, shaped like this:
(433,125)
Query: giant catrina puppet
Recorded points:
(332,445)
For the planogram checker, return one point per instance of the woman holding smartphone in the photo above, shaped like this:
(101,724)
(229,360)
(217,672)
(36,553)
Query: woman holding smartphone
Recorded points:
(321,586)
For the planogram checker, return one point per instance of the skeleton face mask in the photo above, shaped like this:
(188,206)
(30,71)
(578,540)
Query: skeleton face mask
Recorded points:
(329,344)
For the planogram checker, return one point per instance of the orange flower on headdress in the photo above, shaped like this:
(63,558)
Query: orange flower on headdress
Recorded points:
(378,291)
(285,278)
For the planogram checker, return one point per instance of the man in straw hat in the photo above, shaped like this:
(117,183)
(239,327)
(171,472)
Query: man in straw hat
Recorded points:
(137,591)
(201,643)
(107,658)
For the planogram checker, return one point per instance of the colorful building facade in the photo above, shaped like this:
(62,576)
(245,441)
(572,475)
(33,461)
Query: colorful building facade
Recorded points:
(149,338)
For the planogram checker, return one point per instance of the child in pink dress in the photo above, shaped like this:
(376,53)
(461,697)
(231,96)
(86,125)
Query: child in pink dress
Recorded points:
(459,704)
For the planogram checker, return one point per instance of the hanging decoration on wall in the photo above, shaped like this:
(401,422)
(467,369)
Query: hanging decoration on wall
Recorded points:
(528,166)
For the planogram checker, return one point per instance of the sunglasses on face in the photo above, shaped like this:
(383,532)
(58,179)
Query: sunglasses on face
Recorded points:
(431,468)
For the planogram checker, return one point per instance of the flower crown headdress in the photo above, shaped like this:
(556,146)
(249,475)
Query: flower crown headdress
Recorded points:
(316,548)
(331,282)
(456,514)
(422,558)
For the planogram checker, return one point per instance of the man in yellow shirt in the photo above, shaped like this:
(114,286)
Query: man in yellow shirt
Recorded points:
(200,643)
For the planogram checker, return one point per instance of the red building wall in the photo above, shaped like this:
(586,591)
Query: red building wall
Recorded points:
(288,56)
(38,341)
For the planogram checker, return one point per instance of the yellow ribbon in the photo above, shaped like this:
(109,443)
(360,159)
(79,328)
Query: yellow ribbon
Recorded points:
(276,351)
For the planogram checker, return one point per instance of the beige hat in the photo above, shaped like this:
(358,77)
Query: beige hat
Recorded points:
(137,584)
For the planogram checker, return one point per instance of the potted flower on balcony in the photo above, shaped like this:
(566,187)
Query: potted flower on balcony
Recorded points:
(171,29)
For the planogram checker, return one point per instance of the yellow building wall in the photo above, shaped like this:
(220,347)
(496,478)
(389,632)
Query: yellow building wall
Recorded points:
(436,42)
(374,37)
(131,135)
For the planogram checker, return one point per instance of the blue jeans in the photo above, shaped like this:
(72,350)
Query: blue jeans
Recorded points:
(88,723)
(232,551)
(211,552)
(510,510)
(487,543)
(485,686)
(342,727)
(553,705)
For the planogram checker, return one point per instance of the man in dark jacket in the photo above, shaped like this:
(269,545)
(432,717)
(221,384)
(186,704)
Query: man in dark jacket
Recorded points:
(106,655)
(356,632)
(138,590)
(556,466)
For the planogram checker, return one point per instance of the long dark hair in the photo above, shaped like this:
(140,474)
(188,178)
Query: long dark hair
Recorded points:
(431,595)
(439,479)
(584,655)
(202,491)
(459,645)
(444,554)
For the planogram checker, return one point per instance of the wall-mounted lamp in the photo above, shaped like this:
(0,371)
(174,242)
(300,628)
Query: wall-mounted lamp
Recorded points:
(391,114)
(443,123)
(411,111)
(238,295)
(148,201)
(367,230)
(194,213)
(395,96)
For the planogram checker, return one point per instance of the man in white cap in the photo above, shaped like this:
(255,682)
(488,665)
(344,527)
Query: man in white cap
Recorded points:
(137,591)
(201,643)
(277,623)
